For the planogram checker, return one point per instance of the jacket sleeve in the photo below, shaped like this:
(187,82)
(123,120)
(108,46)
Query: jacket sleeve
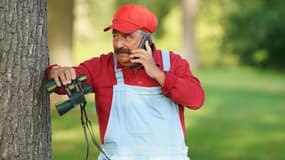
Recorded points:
(181,86)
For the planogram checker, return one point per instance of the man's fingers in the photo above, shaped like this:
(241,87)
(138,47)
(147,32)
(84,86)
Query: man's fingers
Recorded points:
(136,60)
(63,75)
(148,49)
(68,76)
(57,81)
(73,73)
(63,78)
(54,75)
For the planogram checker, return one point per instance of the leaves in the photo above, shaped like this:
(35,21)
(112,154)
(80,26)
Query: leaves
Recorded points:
(256,25)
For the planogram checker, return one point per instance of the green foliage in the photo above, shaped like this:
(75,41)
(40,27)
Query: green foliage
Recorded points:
(255,30)
(209,34)
(172,27)
(91,16)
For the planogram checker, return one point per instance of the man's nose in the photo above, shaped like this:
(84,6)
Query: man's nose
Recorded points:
(120,43)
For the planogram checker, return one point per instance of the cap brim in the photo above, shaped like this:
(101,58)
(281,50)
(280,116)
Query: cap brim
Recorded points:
(107,28)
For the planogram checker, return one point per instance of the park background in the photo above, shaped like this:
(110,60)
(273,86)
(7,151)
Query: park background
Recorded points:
(239,58)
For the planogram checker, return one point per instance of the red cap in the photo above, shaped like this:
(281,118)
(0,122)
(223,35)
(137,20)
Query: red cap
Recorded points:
(131,17)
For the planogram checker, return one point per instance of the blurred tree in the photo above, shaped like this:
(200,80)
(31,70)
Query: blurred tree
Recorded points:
(209,32)
(189,8)
(255,30)
(25,131)
(60,26)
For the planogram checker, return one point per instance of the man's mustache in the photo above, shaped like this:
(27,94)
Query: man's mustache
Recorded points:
(122,50)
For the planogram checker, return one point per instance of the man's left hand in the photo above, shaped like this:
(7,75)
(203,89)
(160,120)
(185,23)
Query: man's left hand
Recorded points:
(145,58)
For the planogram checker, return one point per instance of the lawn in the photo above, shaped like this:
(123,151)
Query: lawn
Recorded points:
(242,119)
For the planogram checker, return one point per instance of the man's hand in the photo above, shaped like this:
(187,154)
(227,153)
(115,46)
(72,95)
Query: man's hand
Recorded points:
(145,58)
(62,75)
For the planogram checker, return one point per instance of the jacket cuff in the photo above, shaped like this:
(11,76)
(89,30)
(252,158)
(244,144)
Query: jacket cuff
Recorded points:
(48,70)
(169,83)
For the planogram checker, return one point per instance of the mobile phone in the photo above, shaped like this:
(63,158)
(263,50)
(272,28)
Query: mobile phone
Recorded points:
(145,37)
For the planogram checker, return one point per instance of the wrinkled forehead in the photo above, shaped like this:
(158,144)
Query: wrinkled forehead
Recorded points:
(114,31)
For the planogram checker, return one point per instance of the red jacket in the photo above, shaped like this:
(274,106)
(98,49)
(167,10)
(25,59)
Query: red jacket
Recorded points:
(180,85)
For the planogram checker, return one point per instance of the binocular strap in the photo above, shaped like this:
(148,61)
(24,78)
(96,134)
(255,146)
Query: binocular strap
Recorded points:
(86,123)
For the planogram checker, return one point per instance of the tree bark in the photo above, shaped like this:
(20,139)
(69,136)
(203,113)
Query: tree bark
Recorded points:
(25,130)
(189,47)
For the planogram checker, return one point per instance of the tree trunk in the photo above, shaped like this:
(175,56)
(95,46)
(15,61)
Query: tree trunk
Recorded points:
(189,47)
(60,27)
(25,130)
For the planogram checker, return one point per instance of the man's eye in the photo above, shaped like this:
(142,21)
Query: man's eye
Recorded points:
(115,36)
(128,36)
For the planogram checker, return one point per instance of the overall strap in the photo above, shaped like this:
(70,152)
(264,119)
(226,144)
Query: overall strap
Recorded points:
(118,72)
(165,60)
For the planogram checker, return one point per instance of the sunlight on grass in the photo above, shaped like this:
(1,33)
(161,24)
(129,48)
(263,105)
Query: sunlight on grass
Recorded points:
(242,117)
(75,134)
(248,79)
(203,112)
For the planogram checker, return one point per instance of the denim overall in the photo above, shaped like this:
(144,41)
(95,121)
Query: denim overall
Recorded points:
(143,124)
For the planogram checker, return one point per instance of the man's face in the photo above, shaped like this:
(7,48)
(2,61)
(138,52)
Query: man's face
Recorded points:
(123,44)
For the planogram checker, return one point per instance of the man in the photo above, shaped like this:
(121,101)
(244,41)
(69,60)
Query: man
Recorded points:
(140,92)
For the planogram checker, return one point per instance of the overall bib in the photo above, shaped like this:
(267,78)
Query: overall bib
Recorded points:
(143,124)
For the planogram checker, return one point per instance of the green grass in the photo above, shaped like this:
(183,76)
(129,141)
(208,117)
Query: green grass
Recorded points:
(68,141)
(242,119)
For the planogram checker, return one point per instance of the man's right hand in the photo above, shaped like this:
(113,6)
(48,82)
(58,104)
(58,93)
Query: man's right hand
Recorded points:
(62,75)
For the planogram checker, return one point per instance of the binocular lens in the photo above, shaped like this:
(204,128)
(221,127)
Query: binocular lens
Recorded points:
(51,86)
(64,107)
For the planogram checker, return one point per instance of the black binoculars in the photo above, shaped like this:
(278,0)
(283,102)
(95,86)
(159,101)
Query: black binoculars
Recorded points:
(75,90)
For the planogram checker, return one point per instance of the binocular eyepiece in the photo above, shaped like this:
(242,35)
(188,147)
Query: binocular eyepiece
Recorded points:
(75,90)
